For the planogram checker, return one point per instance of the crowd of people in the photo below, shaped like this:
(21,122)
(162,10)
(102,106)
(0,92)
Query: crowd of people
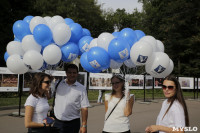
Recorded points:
(70,106)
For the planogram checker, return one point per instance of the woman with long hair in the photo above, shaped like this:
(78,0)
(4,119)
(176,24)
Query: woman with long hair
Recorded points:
(36,106)
(117,107)
(173,114)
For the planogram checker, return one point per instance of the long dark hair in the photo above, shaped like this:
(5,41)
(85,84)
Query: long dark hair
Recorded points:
(122,79)
(178,96)
(37,84)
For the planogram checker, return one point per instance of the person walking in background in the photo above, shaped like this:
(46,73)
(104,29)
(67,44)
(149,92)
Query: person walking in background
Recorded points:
(100,97)
(173,113)
(117,107)
(36,105)
(71,99)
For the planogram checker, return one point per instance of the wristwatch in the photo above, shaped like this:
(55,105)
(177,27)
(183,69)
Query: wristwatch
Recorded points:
(84,126)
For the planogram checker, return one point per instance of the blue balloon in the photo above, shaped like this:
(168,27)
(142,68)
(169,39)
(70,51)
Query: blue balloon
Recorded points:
(70,52)
(129,35)
(68,21)
(21,29)
(16,39)
(139,34)
(86,32)
(28,19)
(42,35)
(115,34)
(76,32)
(84,43)
(119,50)
(6,55)
(86,65)
(98,58)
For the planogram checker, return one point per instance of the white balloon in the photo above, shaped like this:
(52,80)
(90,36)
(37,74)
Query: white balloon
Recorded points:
(168,70)
(114,64)
(52,54)
(55,20)
(35,21)
(104,39)
(15,47)
(129,63)
(151,41)
(29,43)
(34,59)
(93,43)
(140,52)
(61,34)
(16,65)
(160,46)
(157,64)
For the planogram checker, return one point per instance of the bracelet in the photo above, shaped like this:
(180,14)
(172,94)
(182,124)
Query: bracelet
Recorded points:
(84,126)
(44,124)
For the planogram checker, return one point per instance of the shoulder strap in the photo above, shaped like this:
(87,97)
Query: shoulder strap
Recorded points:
(114,107)
(54,94)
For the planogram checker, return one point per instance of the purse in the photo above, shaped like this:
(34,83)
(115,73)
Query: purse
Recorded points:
(51,114)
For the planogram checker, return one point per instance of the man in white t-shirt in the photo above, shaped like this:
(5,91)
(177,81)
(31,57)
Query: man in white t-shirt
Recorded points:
(71,99)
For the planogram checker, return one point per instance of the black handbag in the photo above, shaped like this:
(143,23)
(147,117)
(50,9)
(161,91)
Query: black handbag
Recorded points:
(51,114)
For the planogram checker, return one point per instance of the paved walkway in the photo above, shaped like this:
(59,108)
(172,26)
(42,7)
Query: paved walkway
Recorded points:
(143,115)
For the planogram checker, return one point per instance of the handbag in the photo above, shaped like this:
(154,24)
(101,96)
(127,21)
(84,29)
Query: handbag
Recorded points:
(114,107)
(51,114)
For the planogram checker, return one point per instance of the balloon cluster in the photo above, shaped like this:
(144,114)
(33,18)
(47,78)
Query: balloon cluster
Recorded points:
(42,41)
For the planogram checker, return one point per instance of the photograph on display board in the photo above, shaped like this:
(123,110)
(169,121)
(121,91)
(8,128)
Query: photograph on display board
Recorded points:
(9,80)
(149,82)
(186,83)
(135,81)
(28,79)
(1,80)
(81,79)
(100,81)
(158,82)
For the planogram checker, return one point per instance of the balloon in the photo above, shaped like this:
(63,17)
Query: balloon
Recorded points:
(76,32)
(115,34)
(33,59)
(151,41)
(168,70)
(36,21)
(140,53)
(98,58)
(119,50)
(86,65)
(52,54)
(16,65)
(61,34)
(84,43)
(16,39)
(68,21)
(114,64)
(129,63)
(70,52)
(28,43)
(42,34)
(86,32)
(104,40)
(55,20)
(160,46)
(28,19)
(21,29)
(15,47)
(93,43)
(6,55)
(129,35)
(139,34)
(157,64)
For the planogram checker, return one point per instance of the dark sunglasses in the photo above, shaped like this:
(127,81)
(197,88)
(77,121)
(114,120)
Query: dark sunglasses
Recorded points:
(47,82)
(164,87)
(115,83)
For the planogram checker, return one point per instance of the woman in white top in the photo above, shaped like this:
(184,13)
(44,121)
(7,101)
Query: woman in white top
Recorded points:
(173,116)
(117,121)
(36,106)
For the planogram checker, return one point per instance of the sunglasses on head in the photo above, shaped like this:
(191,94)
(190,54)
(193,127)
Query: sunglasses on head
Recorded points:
(164,87)
(47,82)
(115,83)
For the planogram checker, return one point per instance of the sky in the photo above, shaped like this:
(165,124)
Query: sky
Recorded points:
(128,5)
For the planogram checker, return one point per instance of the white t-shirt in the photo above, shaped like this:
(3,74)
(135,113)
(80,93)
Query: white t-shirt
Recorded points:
(117,121)
(69,101)
(41,107)
(175,116)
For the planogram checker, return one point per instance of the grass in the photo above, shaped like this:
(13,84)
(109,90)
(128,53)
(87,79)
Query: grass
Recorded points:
(12,99)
